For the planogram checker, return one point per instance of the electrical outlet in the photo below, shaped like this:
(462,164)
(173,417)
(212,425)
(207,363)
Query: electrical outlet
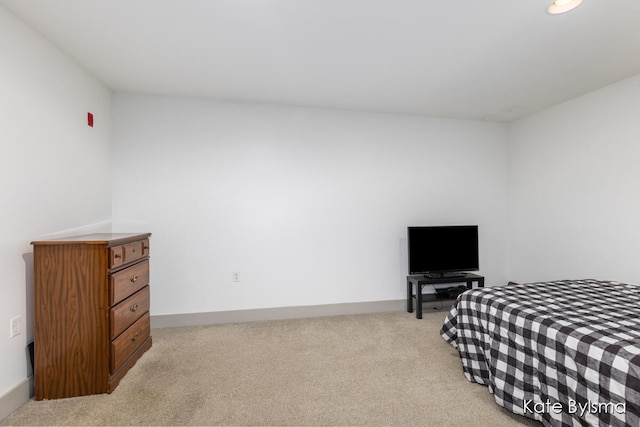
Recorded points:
(15,325)
(236,276)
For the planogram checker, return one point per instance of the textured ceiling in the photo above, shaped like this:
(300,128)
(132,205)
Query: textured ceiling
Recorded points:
(470,59)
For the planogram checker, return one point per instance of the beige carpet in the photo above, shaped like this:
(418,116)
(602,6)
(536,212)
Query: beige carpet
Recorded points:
(371,369)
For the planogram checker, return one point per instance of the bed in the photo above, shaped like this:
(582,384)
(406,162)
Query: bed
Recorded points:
(566,353)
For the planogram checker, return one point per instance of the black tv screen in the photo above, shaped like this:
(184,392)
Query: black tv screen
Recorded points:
(443,249)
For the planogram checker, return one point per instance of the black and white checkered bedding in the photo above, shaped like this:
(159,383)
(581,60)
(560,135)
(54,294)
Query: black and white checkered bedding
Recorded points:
(566,353)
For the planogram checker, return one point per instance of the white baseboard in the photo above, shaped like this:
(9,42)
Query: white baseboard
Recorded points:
(16,397)
(278,313)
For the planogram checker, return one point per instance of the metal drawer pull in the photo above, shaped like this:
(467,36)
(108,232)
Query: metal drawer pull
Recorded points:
(134,308)
(116,256)
(134,278)
(135,337)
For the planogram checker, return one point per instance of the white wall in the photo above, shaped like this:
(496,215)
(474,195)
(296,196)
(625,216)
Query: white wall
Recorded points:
(310,206)
(574,177)
(54,170)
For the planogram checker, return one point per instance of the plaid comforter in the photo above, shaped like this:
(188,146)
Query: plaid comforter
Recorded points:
(566,353)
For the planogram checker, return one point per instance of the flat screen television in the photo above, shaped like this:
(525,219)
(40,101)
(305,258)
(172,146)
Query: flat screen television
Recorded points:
(440,251)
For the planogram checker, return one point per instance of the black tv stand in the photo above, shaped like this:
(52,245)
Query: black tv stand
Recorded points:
(419,281)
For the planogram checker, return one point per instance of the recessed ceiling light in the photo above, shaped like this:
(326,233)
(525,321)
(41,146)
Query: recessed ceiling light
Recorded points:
(562,6)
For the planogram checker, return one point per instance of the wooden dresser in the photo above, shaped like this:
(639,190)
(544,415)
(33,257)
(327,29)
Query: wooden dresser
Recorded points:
(91,318)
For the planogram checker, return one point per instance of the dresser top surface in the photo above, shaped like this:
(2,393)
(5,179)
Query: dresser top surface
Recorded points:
(109,239)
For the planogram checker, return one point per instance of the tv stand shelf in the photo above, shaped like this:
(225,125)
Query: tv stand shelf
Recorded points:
(417,282)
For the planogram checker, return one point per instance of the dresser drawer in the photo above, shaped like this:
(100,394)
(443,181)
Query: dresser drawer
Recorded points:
(124,346)
(145,247)
(128,311)
(127,253)
(116,256)
(132,251)
(126,282)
